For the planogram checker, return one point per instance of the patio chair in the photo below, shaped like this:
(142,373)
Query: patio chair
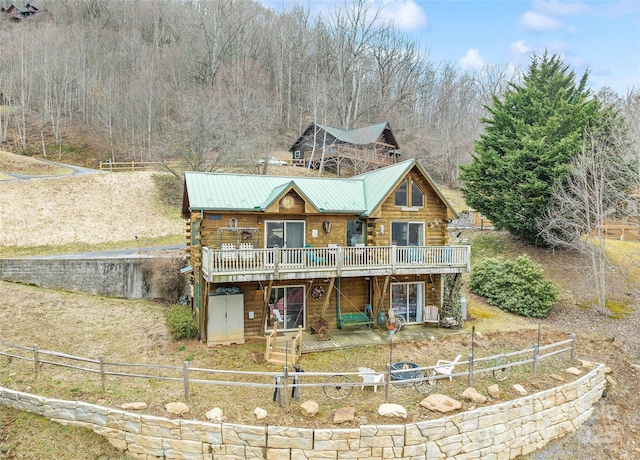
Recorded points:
(430,314)
(228,252)
(246,252)
(446,367)
(312,258)
(370,377)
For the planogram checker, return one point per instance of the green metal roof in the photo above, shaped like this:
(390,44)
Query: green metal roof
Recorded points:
(358,195)
(358,136)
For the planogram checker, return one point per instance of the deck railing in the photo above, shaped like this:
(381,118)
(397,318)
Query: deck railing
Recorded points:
(334,261)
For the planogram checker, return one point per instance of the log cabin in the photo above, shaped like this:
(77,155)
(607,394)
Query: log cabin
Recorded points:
(293,251)
(346,152)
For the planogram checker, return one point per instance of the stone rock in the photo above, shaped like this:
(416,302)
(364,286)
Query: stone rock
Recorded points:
(440,403)
(260,413)
(610,379)
(472,395)
(309,408)
(214,415)
(392,410)
(607,370)
(494,391)
(519,389)
(134,406)
(344,414)
(479,334)
(636,366)
(586,364)
(573,371)
(176,408)
(557,377)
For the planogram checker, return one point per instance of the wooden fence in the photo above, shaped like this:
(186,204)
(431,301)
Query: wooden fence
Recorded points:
(123,166)
(285,381)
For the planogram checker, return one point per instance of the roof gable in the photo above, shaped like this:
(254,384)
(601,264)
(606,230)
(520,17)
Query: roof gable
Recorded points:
(359,195)
(366,135)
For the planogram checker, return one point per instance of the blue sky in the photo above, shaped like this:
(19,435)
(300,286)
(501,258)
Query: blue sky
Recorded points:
(602,36)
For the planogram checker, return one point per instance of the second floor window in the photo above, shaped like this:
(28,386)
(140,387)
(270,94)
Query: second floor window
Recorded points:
(409,194)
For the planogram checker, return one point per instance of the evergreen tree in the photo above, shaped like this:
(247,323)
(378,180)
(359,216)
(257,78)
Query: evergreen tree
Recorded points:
(530,138)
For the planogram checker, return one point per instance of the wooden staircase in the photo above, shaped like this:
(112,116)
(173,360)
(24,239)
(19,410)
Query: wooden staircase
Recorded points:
(287,351)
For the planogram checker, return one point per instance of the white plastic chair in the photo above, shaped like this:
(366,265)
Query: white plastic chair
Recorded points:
(246,252)
(371,377)
(446,367)
(430,314)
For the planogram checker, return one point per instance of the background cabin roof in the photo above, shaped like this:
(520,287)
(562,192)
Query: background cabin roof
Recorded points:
(358,195)
(359,136)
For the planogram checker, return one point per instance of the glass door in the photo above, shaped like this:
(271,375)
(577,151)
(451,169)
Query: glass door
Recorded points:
(285,234)
(286,307)
(407,233)
(407,300)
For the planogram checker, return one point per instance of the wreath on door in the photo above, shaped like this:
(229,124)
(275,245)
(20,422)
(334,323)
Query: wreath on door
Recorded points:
(317,292)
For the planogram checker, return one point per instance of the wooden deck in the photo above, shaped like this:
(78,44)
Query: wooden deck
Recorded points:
(360,336)
(241,265)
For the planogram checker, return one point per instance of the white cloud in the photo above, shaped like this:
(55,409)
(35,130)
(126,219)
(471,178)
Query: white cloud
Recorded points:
(539,22)
(472,60)
(556,8)
(520,47)
(406,15)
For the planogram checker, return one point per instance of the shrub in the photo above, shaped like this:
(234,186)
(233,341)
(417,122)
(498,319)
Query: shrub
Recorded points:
(517,286)
(181,322)
(163,278)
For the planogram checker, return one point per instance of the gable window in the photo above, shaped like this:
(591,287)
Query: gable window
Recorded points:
(416,195)
(401,194)
(409,192)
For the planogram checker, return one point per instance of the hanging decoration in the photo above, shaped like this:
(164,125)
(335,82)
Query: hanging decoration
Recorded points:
(326,226)
(233,224)
(317,292)
(288,202)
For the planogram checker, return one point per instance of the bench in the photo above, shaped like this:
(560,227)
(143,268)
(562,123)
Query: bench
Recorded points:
(365,317)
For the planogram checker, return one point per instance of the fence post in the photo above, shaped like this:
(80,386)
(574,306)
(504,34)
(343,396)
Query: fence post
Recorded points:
(36,359)
(536,350)
(387,383)
(285,389)
(185,376)
(470,381)
(101,360)
(573,347)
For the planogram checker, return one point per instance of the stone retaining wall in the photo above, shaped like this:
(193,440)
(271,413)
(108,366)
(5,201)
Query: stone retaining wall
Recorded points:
(500,431)
(114,277)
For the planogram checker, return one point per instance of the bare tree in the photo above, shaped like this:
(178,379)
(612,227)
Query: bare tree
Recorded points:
(603,174)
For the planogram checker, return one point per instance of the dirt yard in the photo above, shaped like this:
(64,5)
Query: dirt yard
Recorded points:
(115,207)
